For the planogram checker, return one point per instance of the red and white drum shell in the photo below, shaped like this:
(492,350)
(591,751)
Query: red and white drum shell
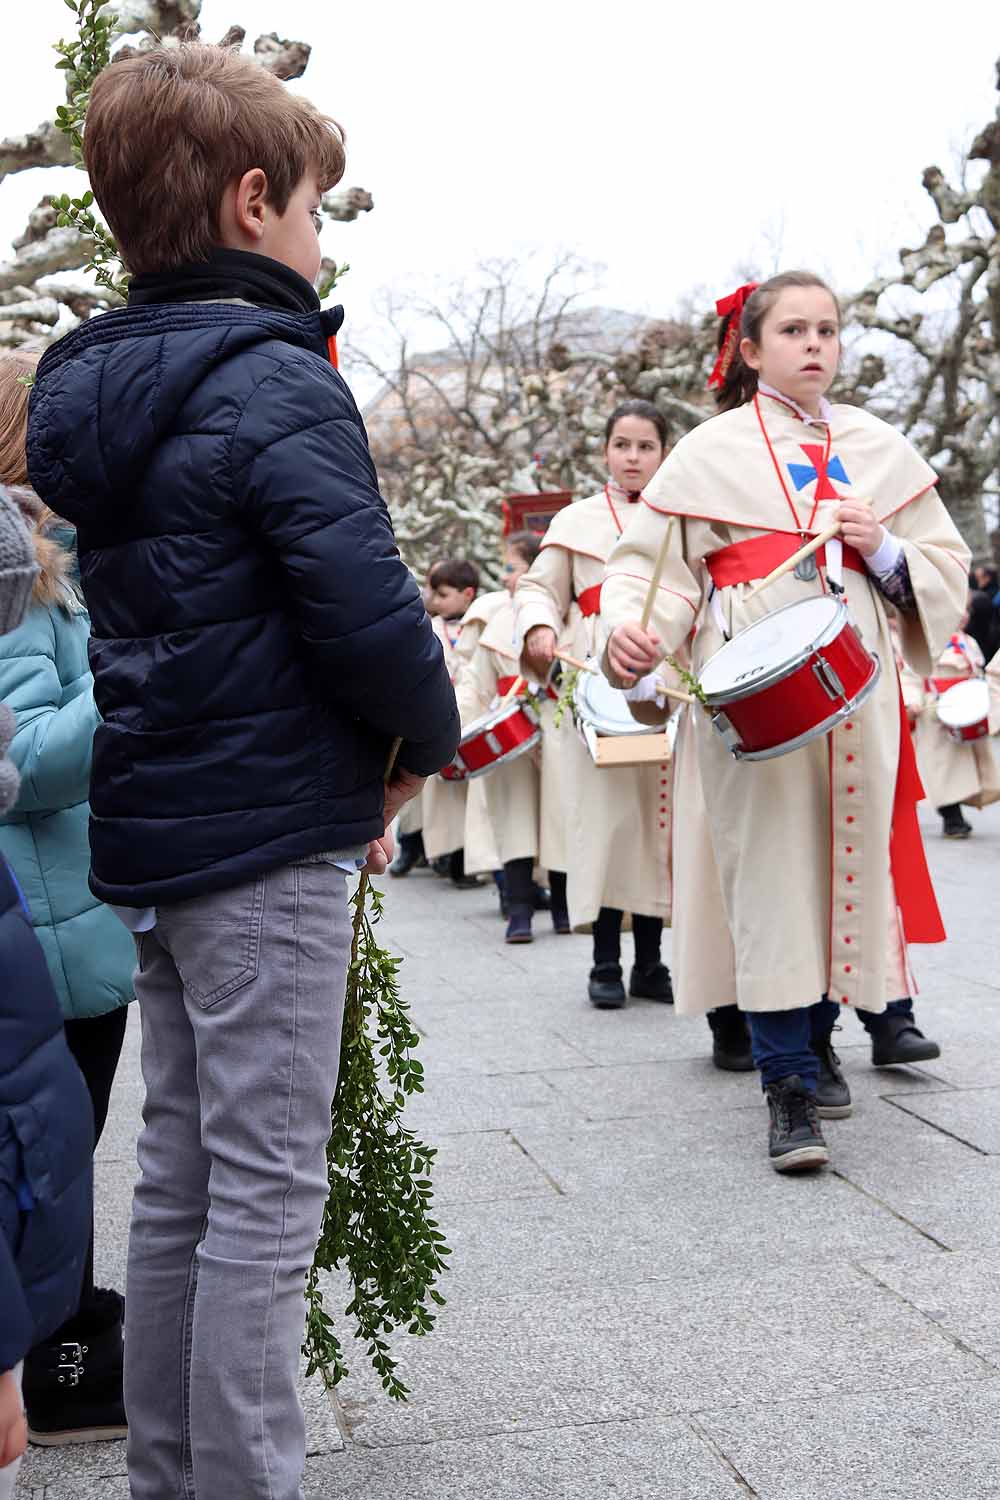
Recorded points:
(501,735)
(964,709)
(788,679)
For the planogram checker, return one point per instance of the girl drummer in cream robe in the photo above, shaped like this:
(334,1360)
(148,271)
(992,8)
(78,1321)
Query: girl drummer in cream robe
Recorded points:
(813,879)
(617,820)
(522,795)
(956,711)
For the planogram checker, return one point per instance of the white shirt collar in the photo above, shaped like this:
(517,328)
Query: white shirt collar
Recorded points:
(825,409)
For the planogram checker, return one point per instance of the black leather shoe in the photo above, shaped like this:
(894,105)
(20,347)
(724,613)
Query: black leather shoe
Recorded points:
(542,897)
(896,1041)
(795,1141)
(730,1040)
(560,920)
(651,983)
(833,1096)
(605,987)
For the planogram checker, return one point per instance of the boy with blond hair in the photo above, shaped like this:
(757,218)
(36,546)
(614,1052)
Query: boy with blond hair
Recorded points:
(257,646)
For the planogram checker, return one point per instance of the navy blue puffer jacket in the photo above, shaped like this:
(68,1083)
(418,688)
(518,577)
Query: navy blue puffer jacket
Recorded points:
(46,1142)
(257,642)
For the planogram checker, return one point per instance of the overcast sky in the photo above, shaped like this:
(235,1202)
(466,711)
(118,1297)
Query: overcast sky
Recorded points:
(672,143)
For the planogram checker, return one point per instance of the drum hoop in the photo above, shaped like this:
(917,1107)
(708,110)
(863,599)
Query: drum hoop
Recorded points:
(494,716)
(608,728)
(511,755)
(719,699)
(818,730)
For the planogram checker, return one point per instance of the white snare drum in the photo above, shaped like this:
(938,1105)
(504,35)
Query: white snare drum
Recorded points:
(607,727)
(506,731)
(788,679)
(964,710)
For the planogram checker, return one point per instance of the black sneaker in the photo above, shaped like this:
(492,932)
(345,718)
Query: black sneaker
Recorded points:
(731,1051)
(519,925)
(833,1096)
(795,1142)
(651,982)
(897,1041)
(73,1382)
(605,987)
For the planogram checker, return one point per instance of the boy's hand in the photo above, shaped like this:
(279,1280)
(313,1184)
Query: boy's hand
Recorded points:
(539,650)
(859,528)
(13,1425)
(399,789)
(380,852)
(632,652)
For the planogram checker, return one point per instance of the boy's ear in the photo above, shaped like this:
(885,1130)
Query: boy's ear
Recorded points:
(244,208)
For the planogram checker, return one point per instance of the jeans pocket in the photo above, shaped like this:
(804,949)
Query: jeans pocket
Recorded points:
(215,940)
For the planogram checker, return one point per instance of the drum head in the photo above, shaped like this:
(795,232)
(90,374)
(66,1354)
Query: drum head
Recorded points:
(964,704)
(771,647)
(603,707)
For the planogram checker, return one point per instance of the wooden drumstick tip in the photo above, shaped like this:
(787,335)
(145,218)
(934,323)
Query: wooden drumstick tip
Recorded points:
(574,661)
(654,582)
(512,691)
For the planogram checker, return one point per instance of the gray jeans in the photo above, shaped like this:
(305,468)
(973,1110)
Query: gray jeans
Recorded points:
(241,995)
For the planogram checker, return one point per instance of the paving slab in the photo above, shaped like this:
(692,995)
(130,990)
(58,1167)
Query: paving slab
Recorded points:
(657,1348)
(916,1444)
(940,1185)
(660,1459)
(959,1292)
(971,1115)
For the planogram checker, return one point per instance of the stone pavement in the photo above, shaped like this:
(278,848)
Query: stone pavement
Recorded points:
(638,1305)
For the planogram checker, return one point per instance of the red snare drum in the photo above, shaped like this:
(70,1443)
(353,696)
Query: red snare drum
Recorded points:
(964,709)
(501,735)
(788,679)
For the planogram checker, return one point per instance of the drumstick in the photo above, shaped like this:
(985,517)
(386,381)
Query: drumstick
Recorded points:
(512,691)
(654,582)
(574,661)
(803,552)
(676,693)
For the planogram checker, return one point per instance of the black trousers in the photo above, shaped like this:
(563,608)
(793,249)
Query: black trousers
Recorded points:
(96,1043)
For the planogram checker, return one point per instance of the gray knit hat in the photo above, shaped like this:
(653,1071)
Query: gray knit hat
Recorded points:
(18,568)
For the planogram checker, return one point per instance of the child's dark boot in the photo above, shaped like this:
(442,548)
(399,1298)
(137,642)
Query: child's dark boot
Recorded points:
(73,1382)
(730,1040)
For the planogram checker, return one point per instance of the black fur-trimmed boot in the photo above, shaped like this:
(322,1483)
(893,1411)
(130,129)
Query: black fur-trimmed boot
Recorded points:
(73,1381)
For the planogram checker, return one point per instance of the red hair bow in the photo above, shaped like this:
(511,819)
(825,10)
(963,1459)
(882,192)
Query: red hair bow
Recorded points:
(730,308)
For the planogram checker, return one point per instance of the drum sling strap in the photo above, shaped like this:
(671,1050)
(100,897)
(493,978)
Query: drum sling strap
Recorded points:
(755,558)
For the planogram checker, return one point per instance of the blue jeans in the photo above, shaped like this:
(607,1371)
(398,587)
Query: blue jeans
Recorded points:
(782,1041)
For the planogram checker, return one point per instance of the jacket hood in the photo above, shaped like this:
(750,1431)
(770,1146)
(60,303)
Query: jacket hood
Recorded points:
(105,396)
